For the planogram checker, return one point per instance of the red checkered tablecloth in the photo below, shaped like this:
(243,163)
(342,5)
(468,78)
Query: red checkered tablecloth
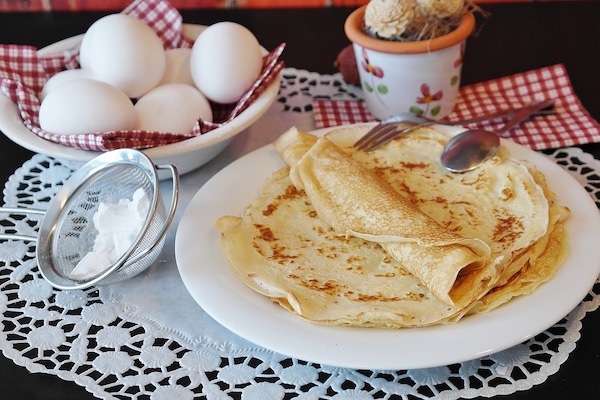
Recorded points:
(23,74)
(571,125)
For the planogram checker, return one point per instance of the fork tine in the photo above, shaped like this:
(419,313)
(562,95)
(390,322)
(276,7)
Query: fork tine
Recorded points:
(396,131)
(394,119)
(372,135)
(381,133)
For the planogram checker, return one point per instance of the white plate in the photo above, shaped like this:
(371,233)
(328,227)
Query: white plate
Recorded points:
(185,155)
(215,287)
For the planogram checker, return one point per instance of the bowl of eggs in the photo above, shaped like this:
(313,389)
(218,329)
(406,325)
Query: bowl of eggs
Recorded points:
(153,90)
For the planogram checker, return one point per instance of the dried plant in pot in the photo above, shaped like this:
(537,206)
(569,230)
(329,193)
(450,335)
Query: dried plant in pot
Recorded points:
(409,54)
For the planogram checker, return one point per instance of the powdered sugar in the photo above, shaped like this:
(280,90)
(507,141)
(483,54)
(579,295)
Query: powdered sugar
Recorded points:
(118,225)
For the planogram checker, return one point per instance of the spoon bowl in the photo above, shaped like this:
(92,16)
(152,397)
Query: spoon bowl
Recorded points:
(467,150)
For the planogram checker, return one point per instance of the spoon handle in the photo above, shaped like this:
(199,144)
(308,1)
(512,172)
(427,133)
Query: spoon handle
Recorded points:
(524,113)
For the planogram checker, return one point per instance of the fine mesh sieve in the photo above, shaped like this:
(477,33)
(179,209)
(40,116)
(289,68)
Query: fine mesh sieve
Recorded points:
(67,233)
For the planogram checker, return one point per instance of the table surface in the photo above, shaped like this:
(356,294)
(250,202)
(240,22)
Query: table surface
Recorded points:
(514,38)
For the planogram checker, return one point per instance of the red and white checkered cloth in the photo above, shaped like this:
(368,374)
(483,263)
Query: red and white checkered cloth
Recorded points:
(571,125)
(23,74)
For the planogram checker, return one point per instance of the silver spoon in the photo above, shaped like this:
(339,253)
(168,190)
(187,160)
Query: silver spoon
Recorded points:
(469,149)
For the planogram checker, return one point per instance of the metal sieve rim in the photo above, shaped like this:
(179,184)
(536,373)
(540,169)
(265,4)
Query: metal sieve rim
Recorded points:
(60,203)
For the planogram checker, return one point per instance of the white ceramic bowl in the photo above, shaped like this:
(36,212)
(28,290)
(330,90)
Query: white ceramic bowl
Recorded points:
(186,155)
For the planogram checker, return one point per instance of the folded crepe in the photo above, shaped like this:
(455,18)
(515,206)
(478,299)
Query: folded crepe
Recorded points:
(280,248)
(328,240)
(354,201)
(506,203)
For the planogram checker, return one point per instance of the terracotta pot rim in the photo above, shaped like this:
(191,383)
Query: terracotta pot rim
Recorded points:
(353,27)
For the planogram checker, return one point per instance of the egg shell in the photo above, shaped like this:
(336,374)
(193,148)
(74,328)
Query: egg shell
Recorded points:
(177,68)
(226,60)
(62,77)
(86,106)
(173,107)
(125,52)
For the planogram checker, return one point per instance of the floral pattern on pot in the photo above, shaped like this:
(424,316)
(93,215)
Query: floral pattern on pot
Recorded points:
(428,98)
(422,84)
(427,103)
(373,72)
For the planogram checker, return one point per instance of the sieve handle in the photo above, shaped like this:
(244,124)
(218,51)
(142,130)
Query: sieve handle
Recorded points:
(168,219)
(19,210)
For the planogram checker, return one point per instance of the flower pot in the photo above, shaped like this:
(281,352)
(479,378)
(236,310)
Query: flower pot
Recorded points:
(421,77)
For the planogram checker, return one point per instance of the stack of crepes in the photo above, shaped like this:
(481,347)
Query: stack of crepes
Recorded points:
(388,238)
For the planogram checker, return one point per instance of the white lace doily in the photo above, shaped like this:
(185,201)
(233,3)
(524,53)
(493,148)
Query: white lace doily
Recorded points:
(147,339)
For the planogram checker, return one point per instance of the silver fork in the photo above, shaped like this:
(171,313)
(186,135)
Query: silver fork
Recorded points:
(405,123)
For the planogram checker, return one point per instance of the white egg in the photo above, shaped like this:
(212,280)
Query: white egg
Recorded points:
(121,50)
(226,60)
(177,68)
(62,77)
(173,107)
(86,106)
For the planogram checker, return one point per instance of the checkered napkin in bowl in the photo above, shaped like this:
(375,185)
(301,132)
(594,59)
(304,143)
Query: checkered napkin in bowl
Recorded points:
(23,73)
(571,125)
